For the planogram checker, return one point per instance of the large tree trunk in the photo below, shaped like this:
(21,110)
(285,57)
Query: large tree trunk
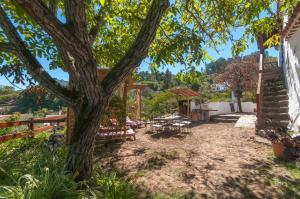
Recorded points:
(80,152)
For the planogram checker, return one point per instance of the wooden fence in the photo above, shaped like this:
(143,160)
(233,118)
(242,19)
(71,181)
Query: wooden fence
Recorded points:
(32,130)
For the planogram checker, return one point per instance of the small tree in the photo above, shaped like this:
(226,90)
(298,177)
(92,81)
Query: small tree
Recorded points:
(241,75)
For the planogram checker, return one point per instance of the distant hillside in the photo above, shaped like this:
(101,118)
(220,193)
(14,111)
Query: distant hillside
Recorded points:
(62,82)
(12,100)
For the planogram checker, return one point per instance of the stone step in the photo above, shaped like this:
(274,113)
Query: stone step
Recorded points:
(276,98)
(275,123)
(272,70)
(274,93)
(227,116)
(274,115)
(272,77)
(281,103)
(275,110)
(275,79)
(279,82)
(274,88)
(224,120)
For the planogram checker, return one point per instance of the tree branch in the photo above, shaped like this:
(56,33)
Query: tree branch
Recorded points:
(199,24)
(53,7)
(76,18)
(68,63)
(95,29)
(7,47)
(31,63)
(61,35)
(139,49)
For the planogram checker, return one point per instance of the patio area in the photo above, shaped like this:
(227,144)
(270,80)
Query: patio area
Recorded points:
(212,161)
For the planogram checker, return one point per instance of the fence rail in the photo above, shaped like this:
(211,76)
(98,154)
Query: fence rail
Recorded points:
(59,120)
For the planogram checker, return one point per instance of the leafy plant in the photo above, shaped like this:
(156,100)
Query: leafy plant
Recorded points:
(14,117)
(112,187)
(30,170)
(49,185)
(159,104)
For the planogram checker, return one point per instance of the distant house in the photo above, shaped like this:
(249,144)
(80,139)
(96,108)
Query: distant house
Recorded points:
(289,60)
(219,87)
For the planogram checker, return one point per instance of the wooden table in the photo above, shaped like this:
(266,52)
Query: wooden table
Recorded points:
(167,121)
(168,118)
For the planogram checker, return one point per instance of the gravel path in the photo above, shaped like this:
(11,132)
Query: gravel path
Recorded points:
(214,161)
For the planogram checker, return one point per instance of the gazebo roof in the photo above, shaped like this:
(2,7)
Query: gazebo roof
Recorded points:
(184,92)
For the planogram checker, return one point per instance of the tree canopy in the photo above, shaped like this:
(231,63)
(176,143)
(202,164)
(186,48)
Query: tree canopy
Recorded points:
(187,29)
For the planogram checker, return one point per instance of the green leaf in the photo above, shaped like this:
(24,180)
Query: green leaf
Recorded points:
(248,4)
(102,2)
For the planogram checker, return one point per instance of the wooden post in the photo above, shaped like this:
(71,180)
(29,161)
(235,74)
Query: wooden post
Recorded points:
(31,127)
(260,92)
(139,103)
(188,107)
(125,105)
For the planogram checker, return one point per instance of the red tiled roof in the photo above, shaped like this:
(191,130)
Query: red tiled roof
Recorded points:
(293,23)
(185,92)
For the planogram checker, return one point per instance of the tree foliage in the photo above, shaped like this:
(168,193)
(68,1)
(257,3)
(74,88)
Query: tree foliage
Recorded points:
(240,76)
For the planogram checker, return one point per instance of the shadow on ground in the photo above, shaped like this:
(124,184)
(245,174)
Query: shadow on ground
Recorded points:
(259,180)
(169,134)
(217,161)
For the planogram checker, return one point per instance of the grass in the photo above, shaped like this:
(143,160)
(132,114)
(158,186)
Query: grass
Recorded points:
(29,169)
(286,176)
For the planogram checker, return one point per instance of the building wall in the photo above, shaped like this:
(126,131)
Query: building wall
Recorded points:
(289,60)
(224,107)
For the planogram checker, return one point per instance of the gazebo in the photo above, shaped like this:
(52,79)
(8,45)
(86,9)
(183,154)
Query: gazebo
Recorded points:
(184,97)
(121,92)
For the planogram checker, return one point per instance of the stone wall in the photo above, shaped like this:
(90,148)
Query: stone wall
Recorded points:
(289,60)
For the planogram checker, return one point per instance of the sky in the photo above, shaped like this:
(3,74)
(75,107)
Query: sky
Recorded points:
(223,51)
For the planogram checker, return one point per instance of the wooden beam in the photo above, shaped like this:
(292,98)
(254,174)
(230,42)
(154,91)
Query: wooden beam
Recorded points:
(139,103)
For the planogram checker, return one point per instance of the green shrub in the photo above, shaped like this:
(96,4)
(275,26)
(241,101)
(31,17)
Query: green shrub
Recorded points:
(49,185)
(27,156)
(160,104)
(14,117)
(249,96)
(30,170)
(113,187)
(217,96)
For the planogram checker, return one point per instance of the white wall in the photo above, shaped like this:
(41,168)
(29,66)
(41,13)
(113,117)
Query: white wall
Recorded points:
(290,62)
(224,107)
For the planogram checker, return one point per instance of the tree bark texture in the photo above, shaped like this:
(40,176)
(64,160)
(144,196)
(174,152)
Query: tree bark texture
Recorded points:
(81,146)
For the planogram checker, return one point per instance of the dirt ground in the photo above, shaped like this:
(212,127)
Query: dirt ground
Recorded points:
(213,161)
